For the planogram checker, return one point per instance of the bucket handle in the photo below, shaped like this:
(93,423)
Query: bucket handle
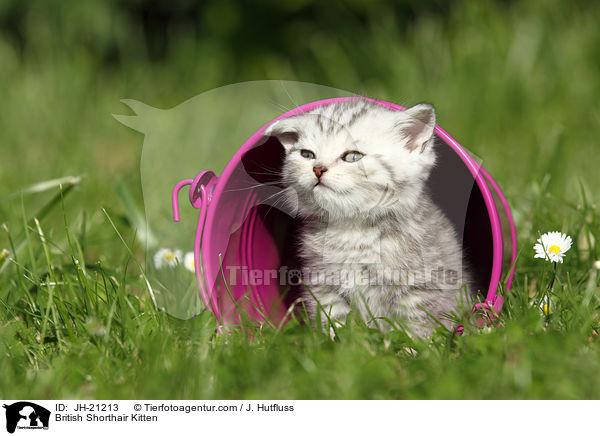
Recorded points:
(204,181)
(201,188)
(175,197)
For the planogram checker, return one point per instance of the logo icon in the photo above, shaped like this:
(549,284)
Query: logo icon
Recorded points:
(26,415)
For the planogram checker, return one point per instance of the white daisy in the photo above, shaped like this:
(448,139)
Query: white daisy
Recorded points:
(167,257)
(188,262)
(552,246)
(546,306)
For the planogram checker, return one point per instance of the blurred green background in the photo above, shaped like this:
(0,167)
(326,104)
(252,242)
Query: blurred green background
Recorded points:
(515,82)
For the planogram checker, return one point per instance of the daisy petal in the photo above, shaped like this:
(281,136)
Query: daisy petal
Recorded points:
(552,246)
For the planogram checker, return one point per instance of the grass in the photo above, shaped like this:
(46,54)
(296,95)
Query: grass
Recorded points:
(518,85)
(75,328)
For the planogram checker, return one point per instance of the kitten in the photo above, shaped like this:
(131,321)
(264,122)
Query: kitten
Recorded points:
(372,239)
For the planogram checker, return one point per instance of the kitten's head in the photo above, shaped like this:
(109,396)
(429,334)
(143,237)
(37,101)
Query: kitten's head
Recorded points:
(356,158)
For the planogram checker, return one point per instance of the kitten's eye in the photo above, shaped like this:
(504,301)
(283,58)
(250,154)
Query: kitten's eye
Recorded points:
(307,154)
(352,156)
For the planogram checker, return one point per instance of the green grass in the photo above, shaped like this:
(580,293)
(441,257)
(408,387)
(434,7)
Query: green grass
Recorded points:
(76,328)
(518,85)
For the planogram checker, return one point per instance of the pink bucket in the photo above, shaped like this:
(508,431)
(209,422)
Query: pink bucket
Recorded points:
(243,249)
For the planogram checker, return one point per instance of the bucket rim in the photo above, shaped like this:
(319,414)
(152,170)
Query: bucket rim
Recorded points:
(477,171)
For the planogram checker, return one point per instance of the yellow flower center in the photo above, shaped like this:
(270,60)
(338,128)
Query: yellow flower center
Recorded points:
(554,249)
(546,309)
(192,264)
(170,256)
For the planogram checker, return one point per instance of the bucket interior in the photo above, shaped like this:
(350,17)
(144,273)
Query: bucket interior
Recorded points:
(264,238)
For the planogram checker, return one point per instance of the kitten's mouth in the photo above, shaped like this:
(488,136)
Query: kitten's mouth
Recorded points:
(320,183)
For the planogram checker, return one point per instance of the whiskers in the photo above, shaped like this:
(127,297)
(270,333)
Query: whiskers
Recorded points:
(278,199)
(280,106)
(255,186)
(388,197)
(273,174)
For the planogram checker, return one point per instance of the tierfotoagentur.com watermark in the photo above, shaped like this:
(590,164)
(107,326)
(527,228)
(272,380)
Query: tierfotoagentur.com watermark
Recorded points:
(362,275)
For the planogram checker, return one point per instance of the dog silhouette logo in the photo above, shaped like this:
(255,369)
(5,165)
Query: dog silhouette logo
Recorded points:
(26,415)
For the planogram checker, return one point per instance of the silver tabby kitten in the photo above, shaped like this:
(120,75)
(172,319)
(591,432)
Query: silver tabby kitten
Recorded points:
(373,239)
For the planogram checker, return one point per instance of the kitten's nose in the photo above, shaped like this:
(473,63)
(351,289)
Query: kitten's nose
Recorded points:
(319,171)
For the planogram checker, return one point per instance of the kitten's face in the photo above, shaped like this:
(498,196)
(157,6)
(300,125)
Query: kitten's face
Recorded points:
(356,158)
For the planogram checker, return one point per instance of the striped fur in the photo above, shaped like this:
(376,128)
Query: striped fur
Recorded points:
(372,217)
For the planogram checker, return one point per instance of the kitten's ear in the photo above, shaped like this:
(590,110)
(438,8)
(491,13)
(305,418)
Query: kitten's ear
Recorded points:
(285,130)
(417,125)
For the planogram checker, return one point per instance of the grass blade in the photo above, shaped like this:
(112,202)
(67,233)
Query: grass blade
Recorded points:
(42,187)
(135,215)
